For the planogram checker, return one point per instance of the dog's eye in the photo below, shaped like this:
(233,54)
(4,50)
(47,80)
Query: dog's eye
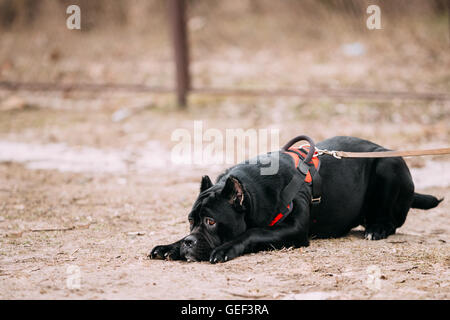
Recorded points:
(191,221)
(209,221)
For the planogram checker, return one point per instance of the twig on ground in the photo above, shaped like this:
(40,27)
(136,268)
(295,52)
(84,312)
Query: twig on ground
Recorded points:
(19,234)
(245,295)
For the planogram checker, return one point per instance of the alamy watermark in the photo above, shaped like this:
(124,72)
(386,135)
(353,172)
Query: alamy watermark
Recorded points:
(373,280)
(73,22)
(374,20)
(215,147)
(73,280)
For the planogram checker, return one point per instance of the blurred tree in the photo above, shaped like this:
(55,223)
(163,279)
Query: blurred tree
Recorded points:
(21,12)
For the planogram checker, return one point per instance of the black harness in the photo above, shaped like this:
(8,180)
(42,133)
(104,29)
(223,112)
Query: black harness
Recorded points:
(307,162)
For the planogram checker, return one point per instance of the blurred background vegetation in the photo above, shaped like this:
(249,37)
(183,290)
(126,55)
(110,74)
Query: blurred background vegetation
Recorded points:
(142,14)
(232,43)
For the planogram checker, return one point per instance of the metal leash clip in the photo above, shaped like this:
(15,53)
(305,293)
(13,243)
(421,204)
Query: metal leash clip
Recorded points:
(330,153)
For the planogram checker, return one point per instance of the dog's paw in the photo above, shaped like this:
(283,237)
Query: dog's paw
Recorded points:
(168,252)
(224,253)
(378,232)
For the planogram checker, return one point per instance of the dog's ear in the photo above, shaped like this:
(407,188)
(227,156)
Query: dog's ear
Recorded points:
(233,191)
(206,183)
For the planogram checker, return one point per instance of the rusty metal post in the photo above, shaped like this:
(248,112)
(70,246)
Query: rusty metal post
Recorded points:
(177,12)
(448,18)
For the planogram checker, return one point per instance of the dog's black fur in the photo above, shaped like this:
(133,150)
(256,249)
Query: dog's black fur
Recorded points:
(232,217)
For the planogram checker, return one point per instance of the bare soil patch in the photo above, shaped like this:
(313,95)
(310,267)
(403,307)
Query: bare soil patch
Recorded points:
(105,223)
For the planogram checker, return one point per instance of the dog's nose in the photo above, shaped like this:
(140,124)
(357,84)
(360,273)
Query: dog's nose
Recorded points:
(190,241)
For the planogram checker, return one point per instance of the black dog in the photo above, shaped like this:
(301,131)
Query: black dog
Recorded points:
(246,212)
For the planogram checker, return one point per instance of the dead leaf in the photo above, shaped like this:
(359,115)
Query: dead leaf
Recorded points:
(14,234)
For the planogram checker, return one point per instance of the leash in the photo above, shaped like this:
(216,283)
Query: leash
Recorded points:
(384,154)
(375,154)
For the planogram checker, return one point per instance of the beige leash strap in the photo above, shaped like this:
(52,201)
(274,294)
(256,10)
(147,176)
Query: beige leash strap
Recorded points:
(384,154)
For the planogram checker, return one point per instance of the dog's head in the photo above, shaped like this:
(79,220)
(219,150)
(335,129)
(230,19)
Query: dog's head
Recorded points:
(216,217)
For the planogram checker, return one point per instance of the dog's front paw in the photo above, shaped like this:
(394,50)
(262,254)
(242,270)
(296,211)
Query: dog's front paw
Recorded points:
(225,253)
(169,252)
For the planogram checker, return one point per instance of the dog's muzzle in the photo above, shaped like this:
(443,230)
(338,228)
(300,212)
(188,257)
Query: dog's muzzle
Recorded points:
(195,247)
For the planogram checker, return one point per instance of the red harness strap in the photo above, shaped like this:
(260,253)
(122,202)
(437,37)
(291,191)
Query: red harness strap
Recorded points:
(303,150)
(281,215)
(297,154)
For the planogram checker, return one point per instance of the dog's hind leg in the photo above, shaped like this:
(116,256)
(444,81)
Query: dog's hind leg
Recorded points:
(390,198)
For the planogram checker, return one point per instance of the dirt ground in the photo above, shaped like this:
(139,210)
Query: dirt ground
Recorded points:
(104,222)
